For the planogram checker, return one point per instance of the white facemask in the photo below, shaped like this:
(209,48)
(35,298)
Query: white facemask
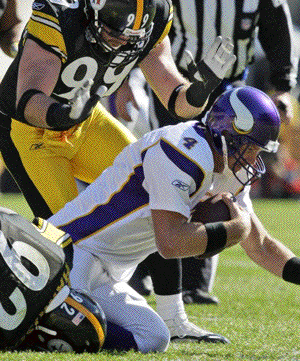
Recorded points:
(220,179)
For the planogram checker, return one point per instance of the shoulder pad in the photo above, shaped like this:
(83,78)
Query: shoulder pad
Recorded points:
(164,12)
(162,25)
(44,27)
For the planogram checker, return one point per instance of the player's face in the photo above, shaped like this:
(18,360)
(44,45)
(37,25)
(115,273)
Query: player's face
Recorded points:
(249,154)
(110,38)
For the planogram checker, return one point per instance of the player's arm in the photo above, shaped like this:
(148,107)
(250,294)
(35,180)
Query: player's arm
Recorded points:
(178,238)
(184,98)
(37,78)
(38,75)
(271,254)
(163,76)
(43,53)
(11,26)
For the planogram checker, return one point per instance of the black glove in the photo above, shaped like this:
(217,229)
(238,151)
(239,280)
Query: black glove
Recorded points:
(210,71)
(64,116)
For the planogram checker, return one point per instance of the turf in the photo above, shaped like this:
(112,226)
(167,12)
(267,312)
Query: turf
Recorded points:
(258,312)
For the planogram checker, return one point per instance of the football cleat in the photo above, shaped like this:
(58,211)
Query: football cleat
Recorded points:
(182,330)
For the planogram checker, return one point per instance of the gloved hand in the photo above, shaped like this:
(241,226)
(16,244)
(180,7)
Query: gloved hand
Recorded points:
(209,72)
(82,103)
(64,116)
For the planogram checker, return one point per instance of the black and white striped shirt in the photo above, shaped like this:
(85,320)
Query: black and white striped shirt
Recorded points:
(198,22)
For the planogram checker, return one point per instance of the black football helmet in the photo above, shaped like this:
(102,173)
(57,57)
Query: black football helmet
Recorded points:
(77,325)
(130,21)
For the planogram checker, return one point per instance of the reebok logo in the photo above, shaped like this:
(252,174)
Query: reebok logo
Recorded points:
(181,185)
(37,146)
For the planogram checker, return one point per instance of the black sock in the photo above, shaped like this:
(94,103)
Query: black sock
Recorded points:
(165,274)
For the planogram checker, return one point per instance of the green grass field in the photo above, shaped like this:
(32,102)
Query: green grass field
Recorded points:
(258,312)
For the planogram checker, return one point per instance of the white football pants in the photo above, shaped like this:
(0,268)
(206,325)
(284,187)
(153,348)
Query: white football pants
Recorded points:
(121,304)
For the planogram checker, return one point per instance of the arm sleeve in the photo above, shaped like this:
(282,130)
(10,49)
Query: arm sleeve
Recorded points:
(167,185)
(276,37)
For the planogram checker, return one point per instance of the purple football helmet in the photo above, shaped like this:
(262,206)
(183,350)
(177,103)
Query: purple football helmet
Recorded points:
(244,115)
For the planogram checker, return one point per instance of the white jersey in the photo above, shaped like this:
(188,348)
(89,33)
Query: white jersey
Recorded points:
(170,168)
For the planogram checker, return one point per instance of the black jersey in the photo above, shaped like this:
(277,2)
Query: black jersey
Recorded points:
(197,23)
(61,28)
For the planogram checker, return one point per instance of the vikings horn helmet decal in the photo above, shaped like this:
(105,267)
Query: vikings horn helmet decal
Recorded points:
(248,116)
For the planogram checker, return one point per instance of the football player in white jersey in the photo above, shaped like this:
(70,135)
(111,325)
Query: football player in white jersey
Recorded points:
(142,203)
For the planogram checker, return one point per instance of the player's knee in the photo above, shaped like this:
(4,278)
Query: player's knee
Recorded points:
(156,340)
(160,342)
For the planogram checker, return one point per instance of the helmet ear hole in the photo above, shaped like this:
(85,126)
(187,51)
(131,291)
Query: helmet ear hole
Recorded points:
(233,142)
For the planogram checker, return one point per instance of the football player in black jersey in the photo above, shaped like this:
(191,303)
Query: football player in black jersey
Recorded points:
(72,53)
(38,309)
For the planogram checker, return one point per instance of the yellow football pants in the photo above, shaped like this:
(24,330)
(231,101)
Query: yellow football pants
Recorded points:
(53,159)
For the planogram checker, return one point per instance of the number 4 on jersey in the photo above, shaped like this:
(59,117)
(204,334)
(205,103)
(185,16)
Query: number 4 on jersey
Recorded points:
(189,142)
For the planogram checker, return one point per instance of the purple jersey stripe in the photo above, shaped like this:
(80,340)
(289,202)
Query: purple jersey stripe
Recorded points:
(183,163)
(129,198)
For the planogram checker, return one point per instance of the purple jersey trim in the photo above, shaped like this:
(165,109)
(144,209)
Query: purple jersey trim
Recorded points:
(128,199)
(183,163)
